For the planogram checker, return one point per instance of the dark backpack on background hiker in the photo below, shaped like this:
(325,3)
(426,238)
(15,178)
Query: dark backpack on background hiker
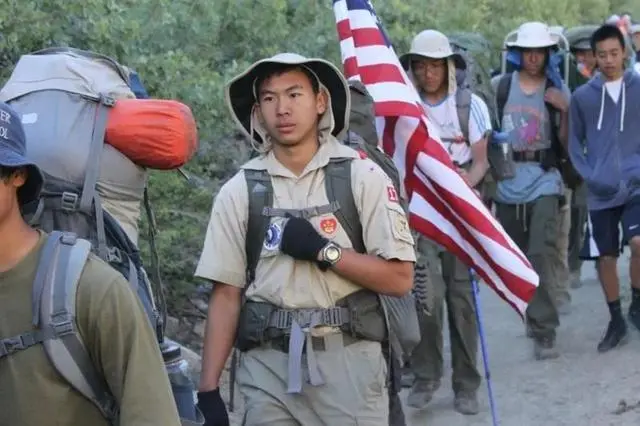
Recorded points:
(64,96)
(556,156)
(475,79)
(363,137)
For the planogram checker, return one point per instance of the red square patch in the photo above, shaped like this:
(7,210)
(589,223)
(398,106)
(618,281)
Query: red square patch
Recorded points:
(392,194)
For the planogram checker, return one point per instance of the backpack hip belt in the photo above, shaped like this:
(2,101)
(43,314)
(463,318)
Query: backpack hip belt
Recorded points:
(535,156)
(261,323)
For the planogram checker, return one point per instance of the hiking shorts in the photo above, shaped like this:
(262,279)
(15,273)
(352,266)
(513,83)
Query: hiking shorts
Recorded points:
(602,235)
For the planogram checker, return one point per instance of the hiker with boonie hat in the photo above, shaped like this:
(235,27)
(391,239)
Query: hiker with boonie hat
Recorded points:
(533,206)
(287,276)
(13,155)
(464,125)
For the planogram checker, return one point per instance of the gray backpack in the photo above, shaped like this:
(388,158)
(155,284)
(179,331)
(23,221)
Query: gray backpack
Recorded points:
(53,303)
(91,191)
(90,188)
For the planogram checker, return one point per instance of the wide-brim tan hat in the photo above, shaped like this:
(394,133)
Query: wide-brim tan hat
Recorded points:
(431,44)
(241,98)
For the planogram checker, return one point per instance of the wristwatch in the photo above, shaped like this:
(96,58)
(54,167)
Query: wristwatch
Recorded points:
(329,255)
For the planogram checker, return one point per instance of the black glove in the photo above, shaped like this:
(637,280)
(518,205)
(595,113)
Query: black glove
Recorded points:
(300,239)
(213,408)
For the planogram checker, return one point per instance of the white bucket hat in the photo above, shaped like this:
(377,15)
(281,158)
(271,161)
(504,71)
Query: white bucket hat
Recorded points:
(635,29)
(431,44)
(534,35)
(241,98)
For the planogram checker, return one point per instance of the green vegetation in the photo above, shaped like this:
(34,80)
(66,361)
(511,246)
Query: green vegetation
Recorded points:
(188,49)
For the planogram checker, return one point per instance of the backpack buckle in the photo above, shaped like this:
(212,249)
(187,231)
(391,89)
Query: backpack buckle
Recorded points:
(12,344)
(108,101)
(69,201)
(114,255)
(63,328)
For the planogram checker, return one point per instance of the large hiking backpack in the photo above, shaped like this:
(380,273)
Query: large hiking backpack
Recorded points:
(90,188)
(363,137)
(91,192)
(475,78)
(557,151)
(475,50)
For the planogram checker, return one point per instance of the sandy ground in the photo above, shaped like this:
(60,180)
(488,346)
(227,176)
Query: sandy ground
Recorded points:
(581,388)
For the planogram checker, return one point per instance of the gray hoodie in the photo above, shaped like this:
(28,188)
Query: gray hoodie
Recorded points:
(604,140)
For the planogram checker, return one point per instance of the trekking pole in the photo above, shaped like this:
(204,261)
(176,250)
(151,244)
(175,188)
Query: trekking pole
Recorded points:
(483,345)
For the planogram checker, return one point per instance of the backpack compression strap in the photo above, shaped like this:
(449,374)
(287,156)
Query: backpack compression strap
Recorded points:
(55,285)
(502,95)
(337,180)
(260,191)
(54,308)
(463,108)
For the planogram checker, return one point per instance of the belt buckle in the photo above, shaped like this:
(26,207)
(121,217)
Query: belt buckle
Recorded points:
(303,318)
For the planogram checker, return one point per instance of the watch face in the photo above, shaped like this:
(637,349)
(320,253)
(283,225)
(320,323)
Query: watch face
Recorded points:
(332,254)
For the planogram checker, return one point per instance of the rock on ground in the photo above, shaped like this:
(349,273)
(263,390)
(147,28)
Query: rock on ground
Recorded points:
(582,387)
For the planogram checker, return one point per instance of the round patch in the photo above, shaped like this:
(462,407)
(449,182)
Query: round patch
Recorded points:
(273,237)
(329,225)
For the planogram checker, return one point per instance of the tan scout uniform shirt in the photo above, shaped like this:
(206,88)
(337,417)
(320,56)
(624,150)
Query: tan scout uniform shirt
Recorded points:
(118,337)
(280,279)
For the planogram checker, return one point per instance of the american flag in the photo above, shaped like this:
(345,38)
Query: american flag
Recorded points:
(442,206)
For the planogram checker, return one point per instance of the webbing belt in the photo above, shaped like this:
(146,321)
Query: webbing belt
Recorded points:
(300,322)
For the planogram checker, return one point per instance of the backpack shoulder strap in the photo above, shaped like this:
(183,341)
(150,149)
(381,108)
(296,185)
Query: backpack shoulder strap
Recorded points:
(463,108)
(260,192)
(56,284)
(337,181)
(502,95)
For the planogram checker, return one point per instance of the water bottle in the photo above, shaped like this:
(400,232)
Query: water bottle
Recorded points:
(501,155)
(181,385)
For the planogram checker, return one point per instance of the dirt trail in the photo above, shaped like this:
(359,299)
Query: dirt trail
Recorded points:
(581,388)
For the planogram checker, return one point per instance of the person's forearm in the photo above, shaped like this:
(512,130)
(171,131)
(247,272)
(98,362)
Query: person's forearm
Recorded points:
(393,278)
(477,171)
(220,332)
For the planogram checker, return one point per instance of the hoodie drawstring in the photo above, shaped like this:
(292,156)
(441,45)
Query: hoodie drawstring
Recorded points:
(623,97)
(624,106)
(604,89)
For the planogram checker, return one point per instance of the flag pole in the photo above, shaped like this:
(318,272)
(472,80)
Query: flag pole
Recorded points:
(483,345)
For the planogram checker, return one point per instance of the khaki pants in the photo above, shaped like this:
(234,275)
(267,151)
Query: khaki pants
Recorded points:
(534,228)
(354,393)
(560,292)
(452,286)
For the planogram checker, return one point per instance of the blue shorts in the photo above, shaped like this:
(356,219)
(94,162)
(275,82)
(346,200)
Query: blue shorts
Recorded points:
(602,234)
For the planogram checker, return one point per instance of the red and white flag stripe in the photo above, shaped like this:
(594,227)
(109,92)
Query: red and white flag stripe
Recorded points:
(443,207)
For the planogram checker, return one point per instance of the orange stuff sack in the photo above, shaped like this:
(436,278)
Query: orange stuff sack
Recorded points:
(154,133)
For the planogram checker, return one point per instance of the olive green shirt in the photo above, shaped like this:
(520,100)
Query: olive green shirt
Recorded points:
(118,336)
